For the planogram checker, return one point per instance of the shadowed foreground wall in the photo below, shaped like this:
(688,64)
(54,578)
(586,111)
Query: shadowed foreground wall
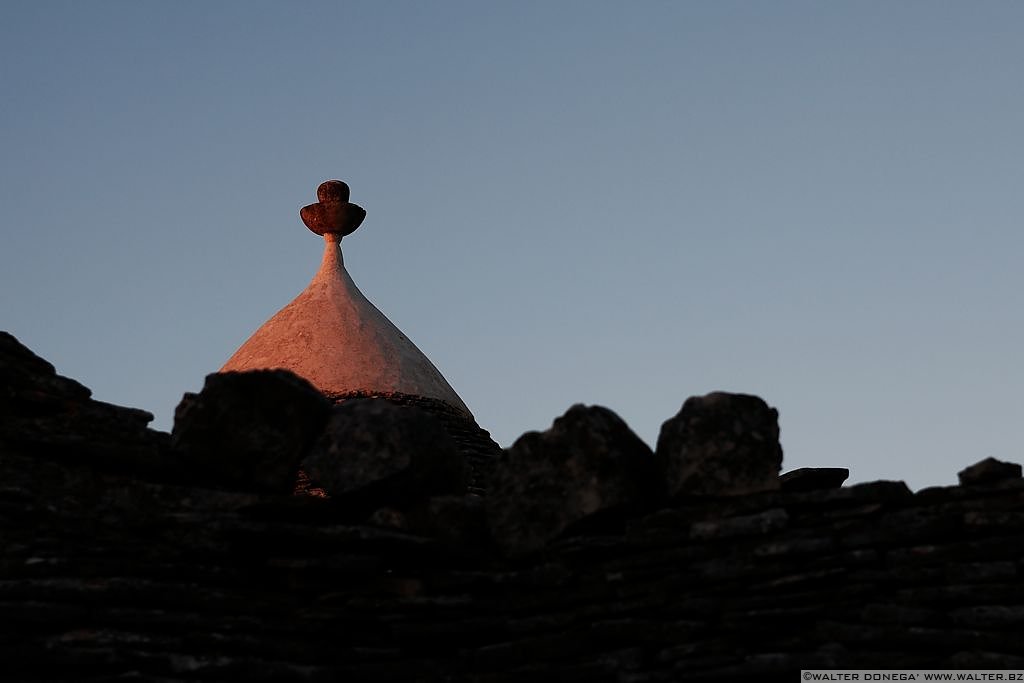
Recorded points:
(117,564)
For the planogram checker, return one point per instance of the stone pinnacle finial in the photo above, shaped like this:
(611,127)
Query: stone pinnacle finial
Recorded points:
(333,213)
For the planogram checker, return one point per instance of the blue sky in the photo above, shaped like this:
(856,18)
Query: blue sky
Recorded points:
(614,203)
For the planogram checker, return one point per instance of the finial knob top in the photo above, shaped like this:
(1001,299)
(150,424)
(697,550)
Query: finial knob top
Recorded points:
(332,191)
(333,213)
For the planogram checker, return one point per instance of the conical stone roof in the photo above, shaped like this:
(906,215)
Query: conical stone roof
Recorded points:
(332,335)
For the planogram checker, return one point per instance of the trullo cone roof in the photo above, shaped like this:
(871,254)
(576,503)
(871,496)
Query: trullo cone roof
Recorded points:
(332,335)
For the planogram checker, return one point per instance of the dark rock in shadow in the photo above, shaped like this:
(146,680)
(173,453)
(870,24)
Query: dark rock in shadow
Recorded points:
(249,430)
(989,471)
(30,385)
(721,444)
(813,478)
(374,453)
(589,465)
(45,414)
(118,563)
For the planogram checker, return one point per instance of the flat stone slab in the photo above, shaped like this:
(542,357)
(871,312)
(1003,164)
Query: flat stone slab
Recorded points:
(813,478)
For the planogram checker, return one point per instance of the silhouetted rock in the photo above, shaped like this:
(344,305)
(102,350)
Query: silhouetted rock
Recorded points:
(475,444)
(813,478)
(589,463)
(388,518)
(111,571)
(989,471)
(30,386)
(249,430)
(378,453)
(459,521)
(44,413)
(721,444)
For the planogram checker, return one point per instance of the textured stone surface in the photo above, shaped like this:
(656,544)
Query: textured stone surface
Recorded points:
(113,571)
(249,430)
(588,464)
(384,454)
(476,445)
(721,444)
(459,521)
(989,471)
(813,478)
(107,577)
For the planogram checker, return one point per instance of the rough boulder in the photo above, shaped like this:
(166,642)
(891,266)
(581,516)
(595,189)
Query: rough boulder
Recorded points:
(588,466)
(721,444)
(249,430)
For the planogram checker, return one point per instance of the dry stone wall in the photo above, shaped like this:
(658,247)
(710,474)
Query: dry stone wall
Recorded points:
(120,559)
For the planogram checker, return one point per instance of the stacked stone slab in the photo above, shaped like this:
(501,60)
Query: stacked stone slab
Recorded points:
(474,442)
(122,560)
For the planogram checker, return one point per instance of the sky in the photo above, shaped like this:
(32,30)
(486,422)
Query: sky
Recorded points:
(611,203)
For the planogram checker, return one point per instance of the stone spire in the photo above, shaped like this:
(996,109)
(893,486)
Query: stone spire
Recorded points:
(332,335)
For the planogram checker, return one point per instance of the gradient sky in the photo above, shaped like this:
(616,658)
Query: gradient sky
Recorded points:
(611,203)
